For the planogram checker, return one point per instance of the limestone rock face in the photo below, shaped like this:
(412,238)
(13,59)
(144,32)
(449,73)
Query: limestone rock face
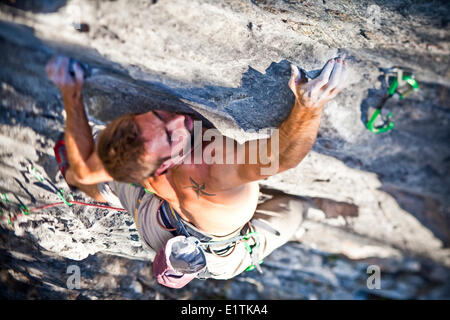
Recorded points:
(381,198)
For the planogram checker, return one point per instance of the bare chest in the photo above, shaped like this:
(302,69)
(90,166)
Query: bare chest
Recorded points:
(212,211)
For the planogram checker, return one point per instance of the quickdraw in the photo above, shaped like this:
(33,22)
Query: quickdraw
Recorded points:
(59,192)
(5,198)
(22,209)
(3,203)
(401,86)
(251,249)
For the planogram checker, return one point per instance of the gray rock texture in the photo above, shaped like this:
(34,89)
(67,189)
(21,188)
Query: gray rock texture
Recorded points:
(382,199)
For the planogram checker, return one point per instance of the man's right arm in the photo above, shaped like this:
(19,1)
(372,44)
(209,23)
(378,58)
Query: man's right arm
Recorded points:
(85,166)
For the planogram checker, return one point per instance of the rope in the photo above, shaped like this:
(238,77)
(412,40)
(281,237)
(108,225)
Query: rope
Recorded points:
(76,202)
(27,211)
(24,210)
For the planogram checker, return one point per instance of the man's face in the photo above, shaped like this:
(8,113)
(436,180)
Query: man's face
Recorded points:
(165,133)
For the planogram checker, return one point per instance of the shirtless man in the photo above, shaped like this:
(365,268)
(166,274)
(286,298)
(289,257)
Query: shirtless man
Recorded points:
(211,201)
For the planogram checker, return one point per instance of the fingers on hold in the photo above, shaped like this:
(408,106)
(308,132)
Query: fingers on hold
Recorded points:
(295,76)
(63,68)
(79,74)
(324,76)
(338,78)
(295,73)
(343,78)
(52,69)
(335,76)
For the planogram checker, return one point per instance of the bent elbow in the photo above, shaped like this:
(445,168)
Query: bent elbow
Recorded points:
(86,180)
(77,175)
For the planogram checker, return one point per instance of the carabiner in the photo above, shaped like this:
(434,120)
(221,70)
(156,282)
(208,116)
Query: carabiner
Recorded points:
(408,79)
(384,127)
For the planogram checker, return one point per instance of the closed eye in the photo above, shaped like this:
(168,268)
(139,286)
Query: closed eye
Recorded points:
(158,116)
(167,132)
(168,137)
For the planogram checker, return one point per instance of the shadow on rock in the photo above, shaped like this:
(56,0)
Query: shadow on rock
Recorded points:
(42,6)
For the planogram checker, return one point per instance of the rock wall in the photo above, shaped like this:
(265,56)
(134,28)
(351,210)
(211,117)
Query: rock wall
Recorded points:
(379,196)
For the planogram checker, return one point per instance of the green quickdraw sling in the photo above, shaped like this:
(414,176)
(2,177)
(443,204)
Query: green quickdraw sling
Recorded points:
(402,85)
(59,192)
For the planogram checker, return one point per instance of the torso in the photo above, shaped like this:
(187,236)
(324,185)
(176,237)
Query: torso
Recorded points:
(217,213)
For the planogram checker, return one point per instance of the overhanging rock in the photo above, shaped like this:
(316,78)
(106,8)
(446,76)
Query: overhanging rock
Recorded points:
(228,62)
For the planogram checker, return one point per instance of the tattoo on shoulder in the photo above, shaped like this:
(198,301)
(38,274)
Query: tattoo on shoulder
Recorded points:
(198,188)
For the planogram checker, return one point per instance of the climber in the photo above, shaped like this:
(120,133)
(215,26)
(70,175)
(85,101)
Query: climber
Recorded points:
(202,219)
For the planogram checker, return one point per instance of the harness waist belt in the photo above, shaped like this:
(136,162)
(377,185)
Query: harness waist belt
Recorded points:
(175,221)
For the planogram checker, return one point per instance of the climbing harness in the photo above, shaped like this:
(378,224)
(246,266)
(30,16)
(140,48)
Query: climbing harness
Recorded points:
(208,245)
(402,85)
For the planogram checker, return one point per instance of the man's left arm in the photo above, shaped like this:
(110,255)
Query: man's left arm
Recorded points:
(292,140)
